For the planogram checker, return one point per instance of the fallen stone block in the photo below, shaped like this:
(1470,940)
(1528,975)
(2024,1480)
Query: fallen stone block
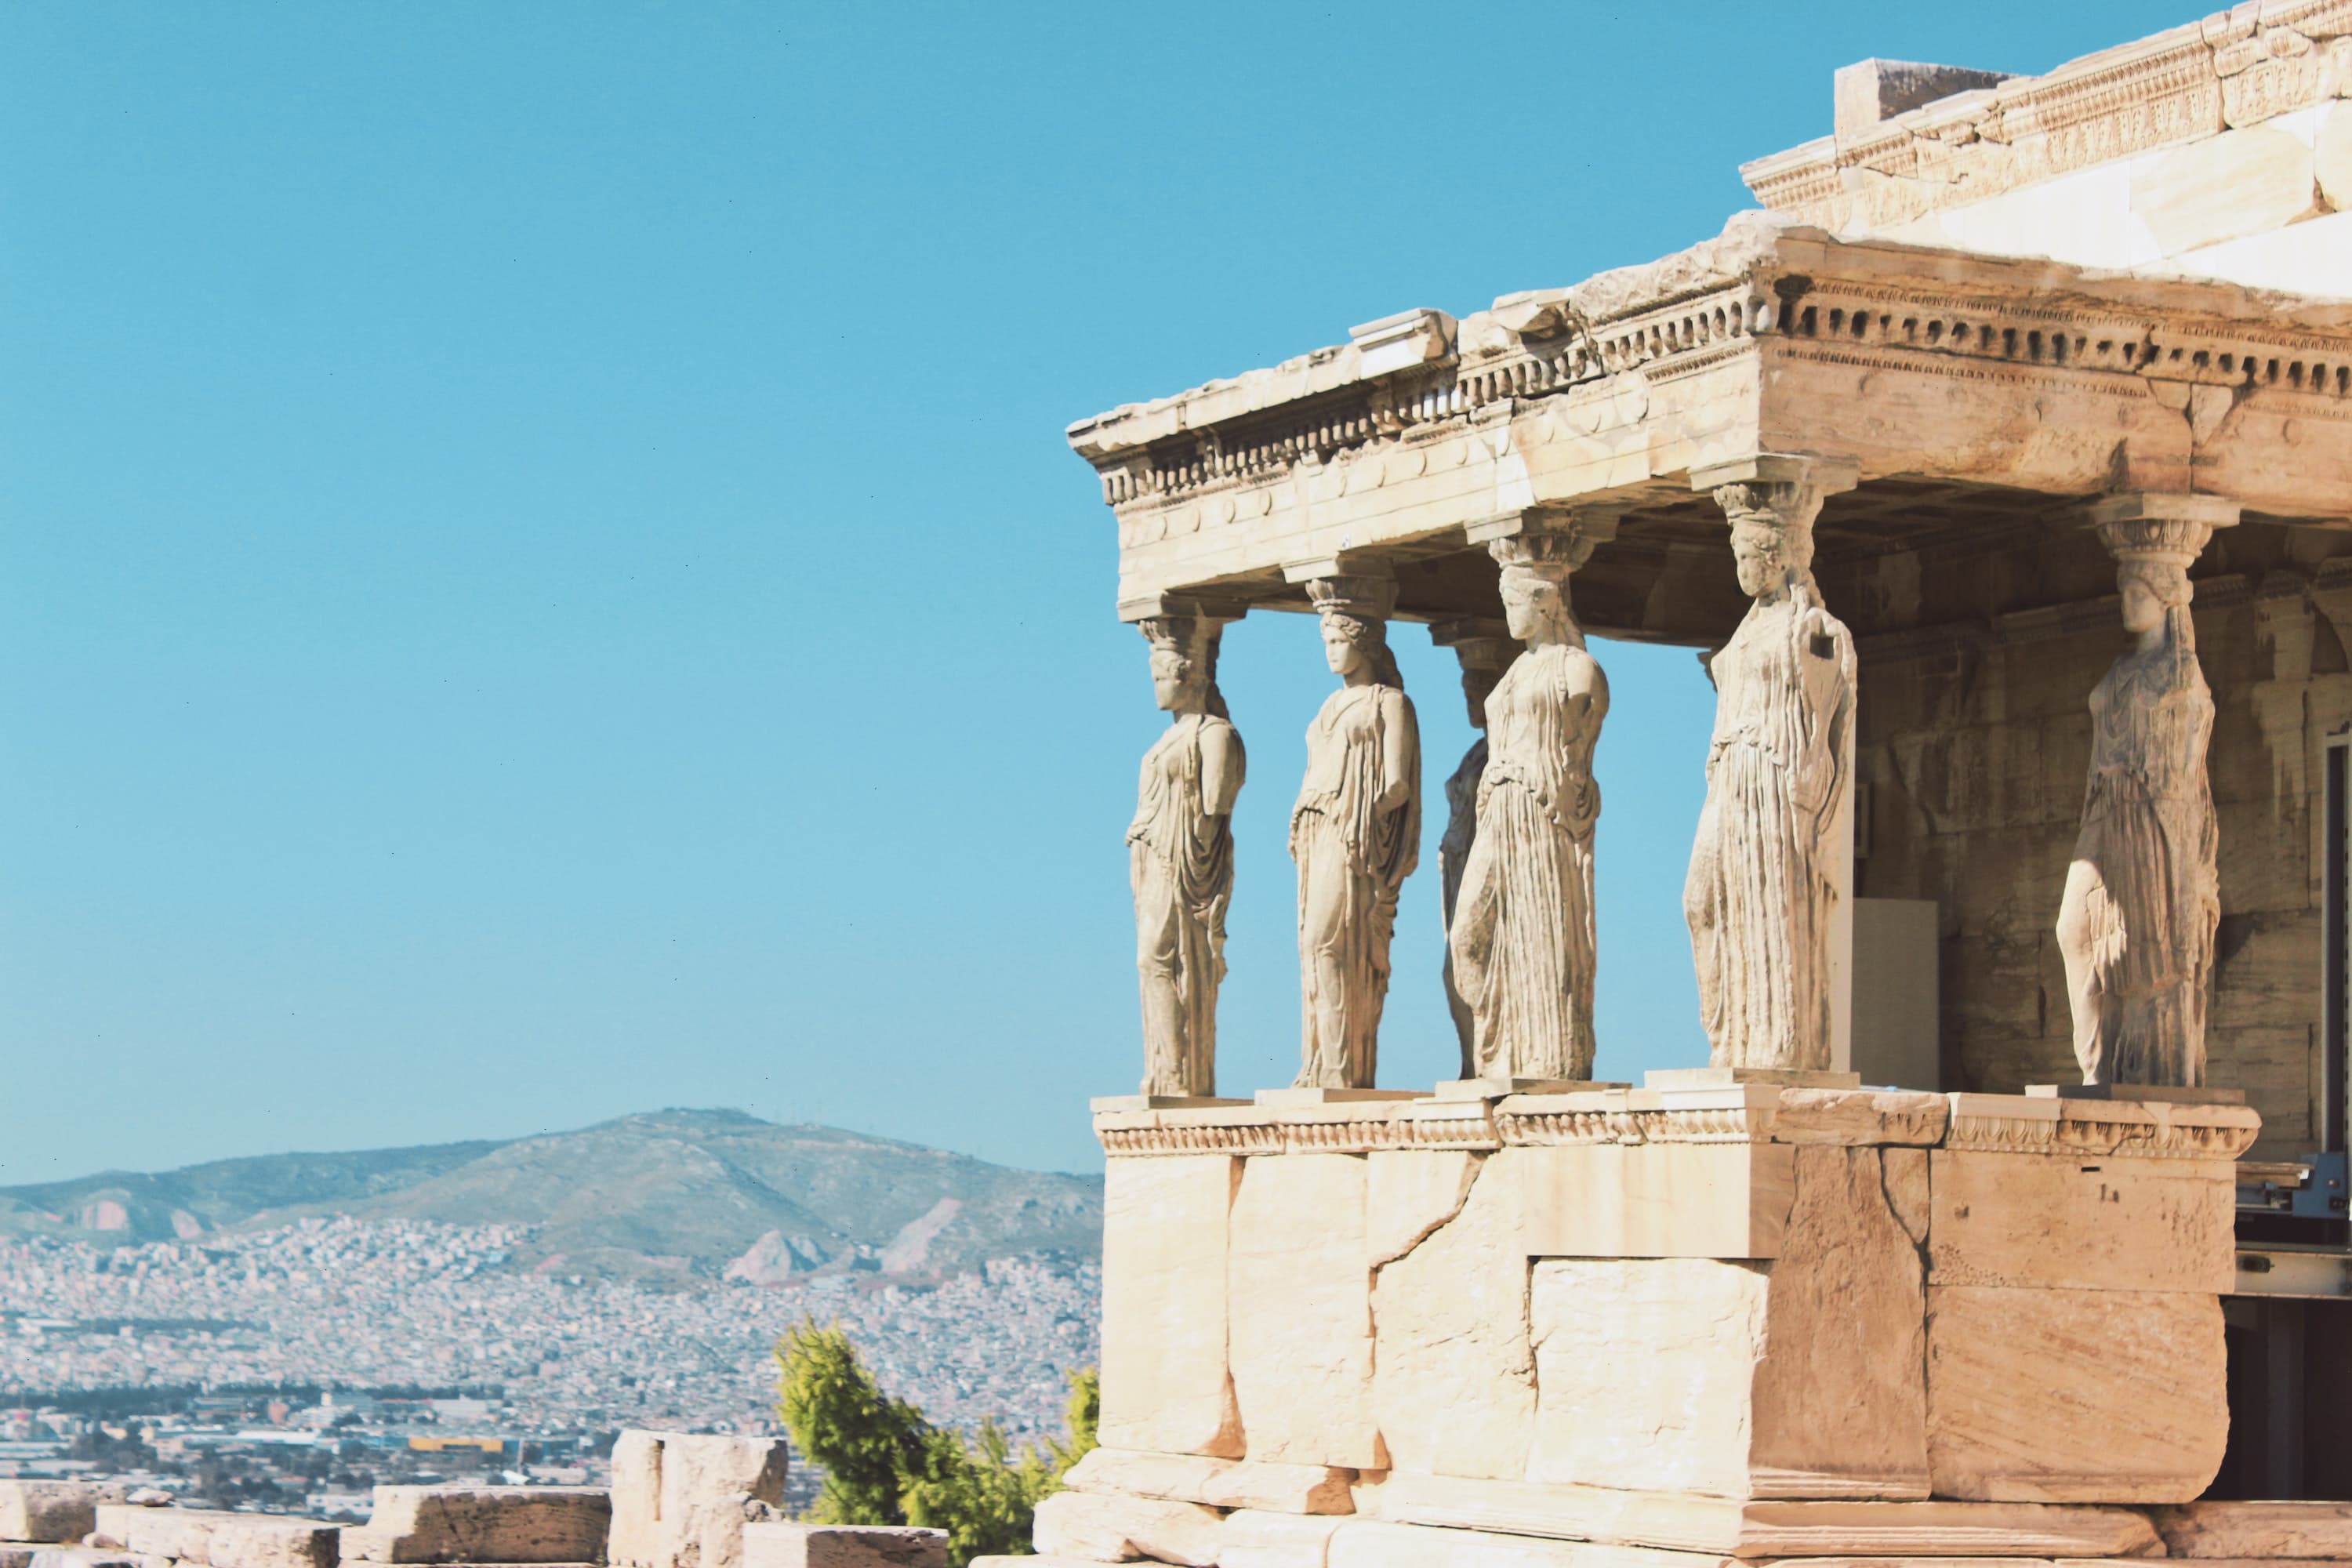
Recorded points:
(1108,1529)
(782,1544)
(482,1524)
(18,1553)
(681,1501)
(218,1539)
(2241,1530)
(93,1557)
(41,1512)
(1218,1483)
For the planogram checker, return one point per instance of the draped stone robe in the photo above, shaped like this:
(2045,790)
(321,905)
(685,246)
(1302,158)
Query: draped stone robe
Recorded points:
(1453,857)
(2147,916)
(1522,932)
(1340,839)
(1180,864)
(1765,877)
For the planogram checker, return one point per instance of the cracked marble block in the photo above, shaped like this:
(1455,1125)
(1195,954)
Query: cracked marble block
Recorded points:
(1796,1376)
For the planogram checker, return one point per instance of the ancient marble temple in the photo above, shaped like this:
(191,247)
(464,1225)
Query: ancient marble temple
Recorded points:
(1999,469)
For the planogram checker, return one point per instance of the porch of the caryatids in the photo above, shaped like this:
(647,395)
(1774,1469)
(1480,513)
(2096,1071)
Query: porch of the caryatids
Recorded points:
(1355,832)
(2136,921)
(1523,936)
(1485,648)
(1769,894)
(1180,852)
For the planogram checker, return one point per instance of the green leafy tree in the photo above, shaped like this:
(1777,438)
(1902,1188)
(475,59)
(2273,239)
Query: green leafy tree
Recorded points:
(885,1464)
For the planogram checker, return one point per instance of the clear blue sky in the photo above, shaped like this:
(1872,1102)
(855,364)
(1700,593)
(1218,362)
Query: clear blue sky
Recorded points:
(539,576)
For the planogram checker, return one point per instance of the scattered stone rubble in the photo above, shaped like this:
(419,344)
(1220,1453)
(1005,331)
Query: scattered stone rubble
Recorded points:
(677,1501)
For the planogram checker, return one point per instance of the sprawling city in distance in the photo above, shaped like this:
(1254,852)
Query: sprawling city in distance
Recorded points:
(284,1334)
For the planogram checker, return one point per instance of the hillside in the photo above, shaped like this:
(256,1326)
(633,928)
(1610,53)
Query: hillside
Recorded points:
(674,1194)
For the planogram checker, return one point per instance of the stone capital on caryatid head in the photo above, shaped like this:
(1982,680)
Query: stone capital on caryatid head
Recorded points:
(1770,502)
(2160,530)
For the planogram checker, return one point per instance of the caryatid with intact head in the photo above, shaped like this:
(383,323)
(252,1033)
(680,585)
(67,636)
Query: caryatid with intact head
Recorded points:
(1767,873)
(1355,833)
(1522,932)
(1181,858)
(1484,651)
(2135,924)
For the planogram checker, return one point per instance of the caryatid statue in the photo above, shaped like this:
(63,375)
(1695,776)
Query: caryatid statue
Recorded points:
(1769,872)
(1181,857)
(1485,649)
(2136,922)
(1522,934)
(1355,833)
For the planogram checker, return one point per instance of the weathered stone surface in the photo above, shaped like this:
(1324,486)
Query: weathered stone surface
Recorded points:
(1656,1200)
(1254,1539)
(2240,183)
(219,1539)
(91,1557)
(1365,1543)
(1758,1529)
(2331,158)
(1840,1401)
(1859,1116)
(1805,1379)
(1454,1379)
(1166,1385)
(483,1524)
(1112,1529)
(1408,1192)
(1301,1312)
(786,1544)
(40,1512)
(2074,1395)
(1643,1368)
(2250,1530)
(681,1500)
(2087,1223)
(1219,1483)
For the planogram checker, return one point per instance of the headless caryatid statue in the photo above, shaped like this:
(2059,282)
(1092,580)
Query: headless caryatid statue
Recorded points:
(1484,655)
(2136,922)
(1355,833)
(1181,858)
(1768,874)
(1522,933)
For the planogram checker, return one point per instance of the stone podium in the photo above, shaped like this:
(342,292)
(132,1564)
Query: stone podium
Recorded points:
(1745,1322)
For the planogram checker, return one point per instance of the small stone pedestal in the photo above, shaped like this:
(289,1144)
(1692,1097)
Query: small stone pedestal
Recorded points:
(1748,1318)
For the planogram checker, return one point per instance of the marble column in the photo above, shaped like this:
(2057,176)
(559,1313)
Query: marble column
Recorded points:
(1355,832)
(1769,894)
(1485,648)
(1180,854)
(2136,921)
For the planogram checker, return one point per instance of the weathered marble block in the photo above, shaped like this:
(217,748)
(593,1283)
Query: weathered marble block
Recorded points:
(425,1524)
(1167,1385)
(1301,1312)
(51,1510)
(219,1539)
(680,1500)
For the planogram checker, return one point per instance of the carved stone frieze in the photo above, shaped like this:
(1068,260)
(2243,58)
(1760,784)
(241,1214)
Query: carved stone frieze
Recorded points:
(1854,1117)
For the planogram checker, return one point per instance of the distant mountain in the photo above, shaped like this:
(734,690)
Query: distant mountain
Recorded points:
(673,1193)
